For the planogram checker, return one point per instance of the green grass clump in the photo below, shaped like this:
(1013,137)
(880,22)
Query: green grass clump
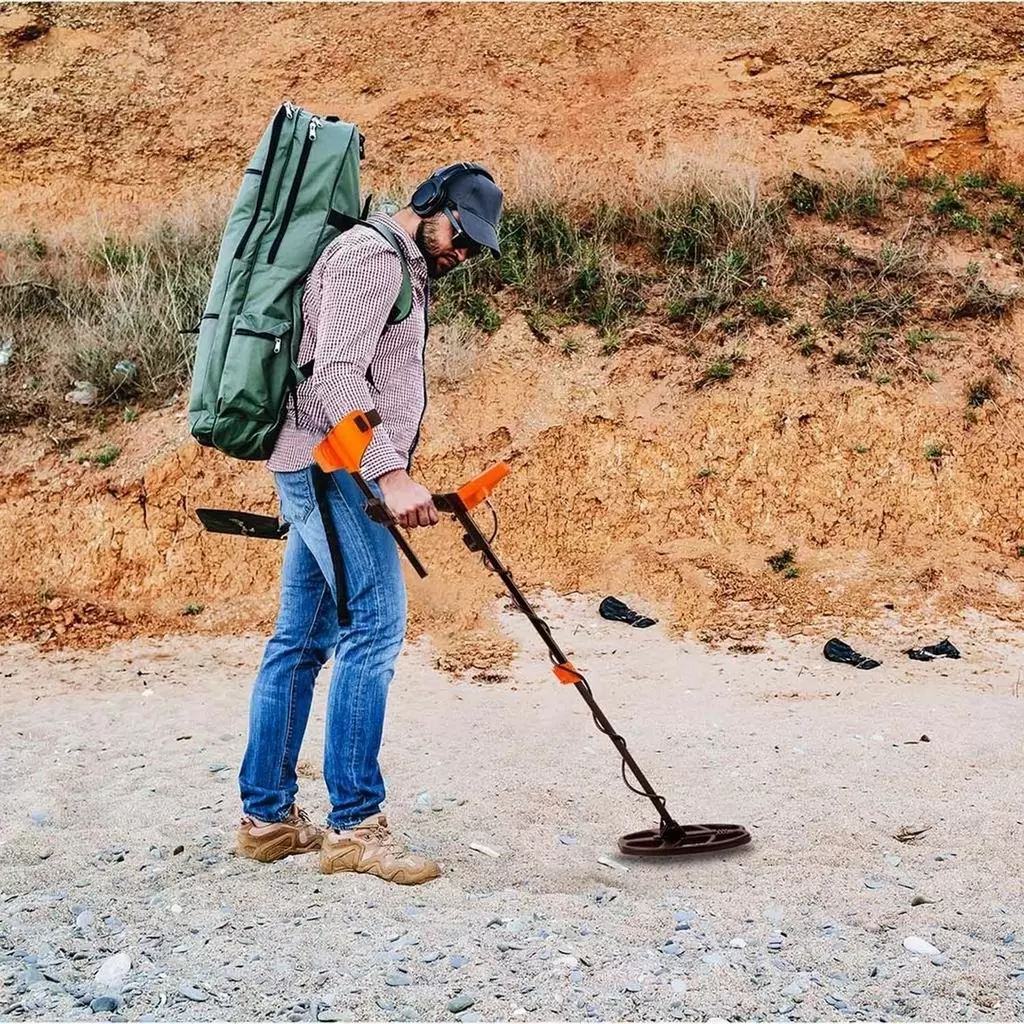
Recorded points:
(919,336)
(782,561)
(721,369)
(768,309)
(981,391)
(697,295)
(104,457)
(888,308)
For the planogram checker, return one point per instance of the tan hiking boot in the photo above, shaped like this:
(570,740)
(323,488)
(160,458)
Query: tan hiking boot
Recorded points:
(372,849)
(273,840)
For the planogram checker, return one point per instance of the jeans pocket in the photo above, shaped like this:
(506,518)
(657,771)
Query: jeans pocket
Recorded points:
(295,491)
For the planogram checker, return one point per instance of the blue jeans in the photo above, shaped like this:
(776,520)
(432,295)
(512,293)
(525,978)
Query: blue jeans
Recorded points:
(306,635)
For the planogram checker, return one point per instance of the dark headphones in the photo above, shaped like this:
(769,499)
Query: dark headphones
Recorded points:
(432,196)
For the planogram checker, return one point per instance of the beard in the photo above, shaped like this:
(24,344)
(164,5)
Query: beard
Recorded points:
(433,250)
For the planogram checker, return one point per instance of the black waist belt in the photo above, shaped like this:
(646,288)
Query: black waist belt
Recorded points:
(320,485)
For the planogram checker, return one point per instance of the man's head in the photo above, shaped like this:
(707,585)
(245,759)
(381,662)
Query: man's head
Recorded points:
(459,207)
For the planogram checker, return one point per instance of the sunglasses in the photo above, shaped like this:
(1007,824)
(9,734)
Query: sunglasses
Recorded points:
(460,240)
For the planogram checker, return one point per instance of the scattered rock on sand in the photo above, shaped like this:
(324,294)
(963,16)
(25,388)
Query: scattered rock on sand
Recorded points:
(919,946)
(112,972)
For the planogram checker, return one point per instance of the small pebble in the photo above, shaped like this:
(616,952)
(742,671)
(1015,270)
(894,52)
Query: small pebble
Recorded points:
(458,961)
(938,961)
(787,1008)
(197,995)
(738,944)
(112,972)
(33,976)
(917,945)
(430,958)
(917,991)
(567,840)
(398,978)
(461,1002)
(104,1004)
(45,854)
(632,986)
(85,919)
(480,848)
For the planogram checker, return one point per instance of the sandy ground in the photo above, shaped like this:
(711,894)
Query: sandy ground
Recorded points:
(112,761)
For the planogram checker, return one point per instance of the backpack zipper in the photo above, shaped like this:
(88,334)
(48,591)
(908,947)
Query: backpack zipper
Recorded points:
(245,332)
(275,136)
(293,193)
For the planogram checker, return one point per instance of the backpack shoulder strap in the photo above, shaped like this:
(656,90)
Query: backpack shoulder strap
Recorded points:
(403,304)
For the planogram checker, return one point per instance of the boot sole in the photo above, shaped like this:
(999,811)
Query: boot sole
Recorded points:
(327,869)
(275,850)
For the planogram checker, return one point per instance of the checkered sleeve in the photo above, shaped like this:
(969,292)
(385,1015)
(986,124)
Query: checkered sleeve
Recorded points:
(358,291)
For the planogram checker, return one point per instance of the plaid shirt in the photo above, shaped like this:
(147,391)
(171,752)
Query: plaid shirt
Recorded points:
(359,360)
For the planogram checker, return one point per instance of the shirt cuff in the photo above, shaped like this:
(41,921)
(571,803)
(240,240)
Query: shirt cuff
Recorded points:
(380,457)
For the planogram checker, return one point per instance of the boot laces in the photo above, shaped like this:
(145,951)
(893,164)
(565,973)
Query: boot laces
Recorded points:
(383,836)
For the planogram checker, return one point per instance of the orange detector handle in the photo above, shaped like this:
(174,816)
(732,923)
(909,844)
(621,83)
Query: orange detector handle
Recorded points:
(346,444)
(477,490)
(470,495)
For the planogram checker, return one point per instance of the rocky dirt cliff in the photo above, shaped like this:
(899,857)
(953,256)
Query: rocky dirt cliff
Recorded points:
(626,477)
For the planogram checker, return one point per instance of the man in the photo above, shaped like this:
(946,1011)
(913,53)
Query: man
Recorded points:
(361,361)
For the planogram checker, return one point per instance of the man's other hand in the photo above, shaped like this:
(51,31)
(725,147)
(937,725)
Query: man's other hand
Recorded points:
(410,502)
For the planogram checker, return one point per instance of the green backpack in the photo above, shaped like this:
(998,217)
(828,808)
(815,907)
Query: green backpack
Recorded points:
(299,192)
